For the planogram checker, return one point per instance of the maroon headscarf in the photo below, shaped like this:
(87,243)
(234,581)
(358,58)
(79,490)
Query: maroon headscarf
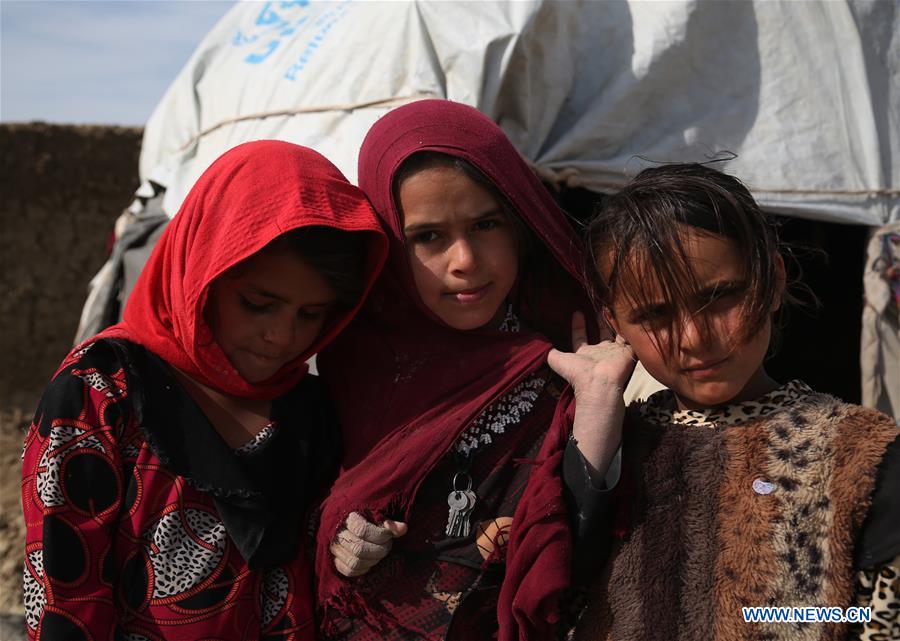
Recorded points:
(406,385)
(249,196)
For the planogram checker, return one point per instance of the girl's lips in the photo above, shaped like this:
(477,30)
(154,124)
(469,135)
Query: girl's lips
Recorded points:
(705,370)
(469,296)
(263,358)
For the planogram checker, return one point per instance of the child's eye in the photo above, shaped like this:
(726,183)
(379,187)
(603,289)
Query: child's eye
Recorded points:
(311,314)
(722,293)
(650,315)
(424,237)
(257,308)
(720,299)
(487,225)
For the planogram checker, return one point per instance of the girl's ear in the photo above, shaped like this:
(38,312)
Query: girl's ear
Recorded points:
(780,281)
(610,319)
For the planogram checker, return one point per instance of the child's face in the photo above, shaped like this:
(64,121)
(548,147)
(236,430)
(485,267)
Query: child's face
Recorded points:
(267,312)
(703,370)
(462,248)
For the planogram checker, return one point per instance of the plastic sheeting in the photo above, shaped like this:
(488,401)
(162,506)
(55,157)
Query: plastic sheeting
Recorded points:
(880,336)
(806,94)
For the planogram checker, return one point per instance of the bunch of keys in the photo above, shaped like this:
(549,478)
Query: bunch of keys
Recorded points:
(461,503)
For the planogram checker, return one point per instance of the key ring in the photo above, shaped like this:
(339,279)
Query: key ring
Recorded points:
(468,482)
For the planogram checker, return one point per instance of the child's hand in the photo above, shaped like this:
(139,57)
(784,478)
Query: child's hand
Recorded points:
(598,375)
(596,372)
(360,545)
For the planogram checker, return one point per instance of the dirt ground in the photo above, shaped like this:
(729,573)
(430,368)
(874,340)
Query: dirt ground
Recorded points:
(61,189)
(12,528)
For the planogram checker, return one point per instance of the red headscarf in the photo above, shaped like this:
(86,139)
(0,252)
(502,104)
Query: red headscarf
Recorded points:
(406,385)
(248,197)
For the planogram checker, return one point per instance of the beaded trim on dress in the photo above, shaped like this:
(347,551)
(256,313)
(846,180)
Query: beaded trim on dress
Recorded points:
(508,410)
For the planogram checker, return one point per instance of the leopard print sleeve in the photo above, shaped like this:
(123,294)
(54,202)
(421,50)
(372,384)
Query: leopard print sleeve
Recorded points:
(879,589)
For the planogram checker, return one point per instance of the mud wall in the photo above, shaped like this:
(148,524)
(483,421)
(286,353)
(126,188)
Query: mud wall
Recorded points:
(61,189)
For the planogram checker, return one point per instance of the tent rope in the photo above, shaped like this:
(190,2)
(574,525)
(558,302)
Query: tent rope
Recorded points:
(838,192)
(573,179)
(383,102)
(569,176)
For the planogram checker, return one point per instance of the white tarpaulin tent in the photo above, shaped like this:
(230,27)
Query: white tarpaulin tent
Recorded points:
(806,94)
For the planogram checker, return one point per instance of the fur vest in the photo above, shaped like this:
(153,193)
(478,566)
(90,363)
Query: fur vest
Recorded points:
(757,505)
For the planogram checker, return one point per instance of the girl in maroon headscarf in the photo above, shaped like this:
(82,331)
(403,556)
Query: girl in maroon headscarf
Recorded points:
(172,456)
(453,421)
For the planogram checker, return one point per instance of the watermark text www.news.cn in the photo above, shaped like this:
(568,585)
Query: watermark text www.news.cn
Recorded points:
(773,614)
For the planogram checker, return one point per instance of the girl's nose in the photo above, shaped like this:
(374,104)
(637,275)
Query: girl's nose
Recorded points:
(462,256)
(691,331)
(280,333)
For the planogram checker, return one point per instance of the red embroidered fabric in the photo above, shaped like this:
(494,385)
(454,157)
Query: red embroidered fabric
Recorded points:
(437,587)
(406,385)
(117,539)
(118,544)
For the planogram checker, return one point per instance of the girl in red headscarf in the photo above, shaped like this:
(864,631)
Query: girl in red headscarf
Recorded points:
(453,421)
(172,456)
